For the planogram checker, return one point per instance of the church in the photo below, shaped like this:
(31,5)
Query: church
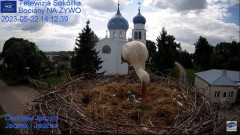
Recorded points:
(110,47)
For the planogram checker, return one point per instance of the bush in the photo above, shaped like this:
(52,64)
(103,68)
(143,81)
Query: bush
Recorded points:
(11,78)
(58,72)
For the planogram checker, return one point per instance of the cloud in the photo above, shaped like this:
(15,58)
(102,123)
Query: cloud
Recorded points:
(32,27)
(178,5)
(107,5)
(72,18)
(55,44)
(185,21)
(187,29)
(189,19)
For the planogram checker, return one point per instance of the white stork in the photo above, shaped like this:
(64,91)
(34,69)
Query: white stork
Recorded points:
(135,53)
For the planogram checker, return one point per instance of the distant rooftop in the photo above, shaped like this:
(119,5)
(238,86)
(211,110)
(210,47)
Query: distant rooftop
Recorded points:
(220,77)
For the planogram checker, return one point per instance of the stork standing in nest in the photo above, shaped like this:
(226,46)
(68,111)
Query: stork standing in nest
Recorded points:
(135,53)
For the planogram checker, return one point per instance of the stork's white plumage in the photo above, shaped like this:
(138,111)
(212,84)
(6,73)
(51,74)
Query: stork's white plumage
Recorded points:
(136,54)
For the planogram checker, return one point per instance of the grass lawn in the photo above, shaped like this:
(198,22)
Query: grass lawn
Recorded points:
(12,79)
(54,79)
(7,77)
(190,75)
(174,73)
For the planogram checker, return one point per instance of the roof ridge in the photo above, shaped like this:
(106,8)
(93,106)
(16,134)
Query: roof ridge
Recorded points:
(217,79)
(225,77)
(228,77)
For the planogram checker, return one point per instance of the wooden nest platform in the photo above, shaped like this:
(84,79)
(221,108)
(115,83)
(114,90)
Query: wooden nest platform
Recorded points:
(92,104)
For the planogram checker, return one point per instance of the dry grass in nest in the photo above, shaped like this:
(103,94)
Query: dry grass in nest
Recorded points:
(104,102)
(92,104)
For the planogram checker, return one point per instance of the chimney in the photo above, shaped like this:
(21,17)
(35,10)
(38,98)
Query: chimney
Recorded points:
(224,72)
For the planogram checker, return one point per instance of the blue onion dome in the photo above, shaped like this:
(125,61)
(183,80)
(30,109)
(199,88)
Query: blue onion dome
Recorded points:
(118,22)
(139,18)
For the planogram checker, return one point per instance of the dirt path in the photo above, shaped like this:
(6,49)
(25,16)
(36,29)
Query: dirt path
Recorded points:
(182,72)
(14,98)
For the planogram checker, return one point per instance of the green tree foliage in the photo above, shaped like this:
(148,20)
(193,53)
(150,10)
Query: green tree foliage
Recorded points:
(223,56)
(167,52)
(152,49)
(203,51)
(19,53)
(85,58)
(185,59)
(226,56)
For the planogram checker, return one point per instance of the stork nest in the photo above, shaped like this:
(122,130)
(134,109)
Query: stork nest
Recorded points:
(93,104)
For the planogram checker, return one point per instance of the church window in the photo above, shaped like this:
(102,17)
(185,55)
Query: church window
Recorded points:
(135,35)
(140,34)
(120,34)
(106,49)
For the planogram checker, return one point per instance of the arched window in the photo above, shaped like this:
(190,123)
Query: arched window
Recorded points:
(106,49)
(135,35)
(114,33)
(139,35)
(120,34)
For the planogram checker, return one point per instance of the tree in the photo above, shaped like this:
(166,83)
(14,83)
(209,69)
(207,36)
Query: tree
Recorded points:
(151,49)
(167,52)
(234,64)
(202,55)
(218,61)
(19,54)
(226,56)
(185,59)
(85,57)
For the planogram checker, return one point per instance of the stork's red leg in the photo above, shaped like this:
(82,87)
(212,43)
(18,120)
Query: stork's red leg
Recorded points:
(144,92)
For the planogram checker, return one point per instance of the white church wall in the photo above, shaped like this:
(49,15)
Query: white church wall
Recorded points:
(111,61)
(121,67)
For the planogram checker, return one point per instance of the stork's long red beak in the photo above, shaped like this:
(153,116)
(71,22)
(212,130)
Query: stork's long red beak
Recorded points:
(144,92)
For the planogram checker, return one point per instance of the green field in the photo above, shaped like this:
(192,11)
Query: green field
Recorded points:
(174,73)
(55,79)
(11,78)
(189,75)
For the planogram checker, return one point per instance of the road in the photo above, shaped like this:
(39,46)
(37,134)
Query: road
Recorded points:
(14,99)
(182,72)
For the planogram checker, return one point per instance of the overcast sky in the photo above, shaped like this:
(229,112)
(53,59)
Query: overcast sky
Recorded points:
(186,20)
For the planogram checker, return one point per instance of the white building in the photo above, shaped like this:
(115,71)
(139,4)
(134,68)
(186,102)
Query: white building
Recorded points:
(110,47)
(219,85)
